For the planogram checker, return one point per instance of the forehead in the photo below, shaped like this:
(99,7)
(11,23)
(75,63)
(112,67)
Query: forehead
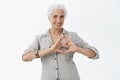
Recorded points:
(57,12)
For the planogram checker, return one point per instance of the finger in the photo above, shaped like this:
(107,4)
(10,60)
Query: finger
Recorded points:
(65,45)
(60,51)
(62,44)
(67,51)
(67,38)
(59,40)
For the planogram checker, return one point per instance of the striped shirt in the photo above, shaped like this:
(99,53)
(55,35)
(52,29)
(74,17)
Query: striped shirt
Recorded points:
(56,66)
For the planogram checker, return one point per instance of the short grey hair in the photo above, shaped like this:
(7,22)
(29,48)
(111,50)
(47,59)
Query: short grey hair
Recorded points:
(55,7)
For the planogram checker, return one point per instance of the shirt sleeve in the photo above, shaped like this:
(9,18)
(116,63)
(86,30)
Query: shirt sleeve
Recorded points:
(81,43)
(35,46)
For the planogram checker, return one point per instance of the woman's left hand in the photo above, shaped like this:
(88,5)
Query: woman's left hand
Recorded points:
(71,46)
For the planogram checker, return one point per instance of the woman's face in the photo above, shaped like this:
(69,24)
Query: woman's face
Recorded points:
(57,19)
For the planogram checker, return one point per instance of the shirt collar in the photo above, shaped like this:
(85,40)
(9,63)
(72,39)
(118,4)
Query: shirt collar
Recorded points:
(48,34)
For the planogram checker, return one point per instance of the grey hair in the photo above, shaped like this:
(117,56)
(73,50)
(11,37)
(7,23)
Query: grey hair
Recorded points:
(55,7)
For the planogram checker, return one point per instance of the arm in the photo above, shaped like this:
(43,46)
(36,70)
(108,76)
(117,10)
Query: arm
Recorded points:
(87,52)
(29,56)
(53,48)
(34,52)
(30,52)
(81,47)
(32,55)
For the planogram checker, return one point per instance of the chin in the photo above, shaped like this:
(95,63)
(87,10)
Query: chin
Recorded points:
(58,27)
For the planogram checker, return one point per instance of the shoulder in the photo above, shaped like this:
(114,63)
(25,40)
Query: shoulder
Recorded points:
(40,36)
(71,33)
(74,36)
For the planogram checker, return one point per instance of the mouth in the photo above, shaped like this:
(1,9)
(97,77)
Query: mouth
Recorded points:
(58,24)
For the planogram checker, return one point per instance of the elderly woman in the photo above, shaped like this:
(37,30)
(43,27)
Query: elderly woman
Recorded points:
(56,48)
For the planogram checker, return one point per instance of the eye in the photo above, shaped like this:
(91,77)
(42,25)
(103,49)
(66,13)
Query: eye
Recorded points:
(62,16)
(55,16)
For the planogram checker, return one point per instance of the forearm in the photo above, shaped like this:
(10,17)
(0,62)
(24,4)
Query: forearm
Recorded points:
(29,56)
(87,52)
(44,52)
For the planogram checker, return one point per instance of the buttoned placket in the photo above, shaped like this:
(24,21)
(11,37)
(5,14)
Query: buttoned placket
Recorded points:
(55,58)
(57,67)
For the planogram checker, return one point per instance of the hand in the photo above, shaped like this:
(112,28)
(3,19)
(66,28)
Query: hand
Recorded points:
(71,46)
(55,47)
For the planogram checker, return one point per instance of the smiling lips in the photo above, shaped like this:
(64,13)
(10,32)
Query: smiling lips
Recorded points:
(58,24)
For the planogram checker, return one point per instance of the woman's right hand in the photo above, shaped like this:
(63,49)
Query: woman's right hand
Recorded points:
(56,46)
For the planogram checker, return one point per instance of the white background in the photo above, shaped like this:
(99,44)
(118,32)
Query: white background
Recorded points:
(96,21)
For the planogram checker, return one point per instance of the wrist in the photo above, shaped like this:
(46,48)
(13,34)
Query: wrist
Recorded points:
(78,49)
(50,50)
(37,54)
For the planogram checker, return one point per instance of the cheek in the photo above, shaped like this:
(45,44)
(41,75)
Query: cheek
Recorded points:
(51,21)
(62,21)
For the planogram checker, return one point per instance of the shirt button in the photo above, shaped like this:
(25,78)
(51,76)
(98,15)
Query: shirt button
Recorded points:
(57,79)
(56,68)
(55,58)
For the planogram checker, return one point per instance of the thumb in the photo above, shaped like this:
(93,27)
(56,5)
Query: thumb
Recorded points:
(67,51)
(60,51)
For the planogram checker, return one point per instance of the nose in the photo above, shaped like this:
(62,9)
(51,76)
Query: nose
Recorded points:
(58,20)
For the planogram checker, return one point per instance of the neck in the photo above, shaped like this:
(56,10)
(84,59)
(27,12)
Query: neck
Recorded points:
(56,31)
